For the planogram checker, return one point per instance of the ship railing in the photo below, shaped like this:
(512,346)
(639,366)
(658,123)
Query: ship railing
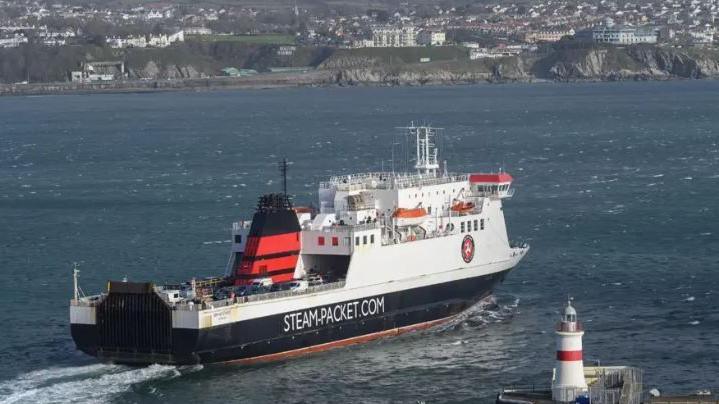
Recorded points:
(347,228)
(429,235)
(241,225)
(420,181)
(354,181)
(351,228)
(447,218)
(496,194)
(259,297)
(385,180)
(288,293)
(88,301)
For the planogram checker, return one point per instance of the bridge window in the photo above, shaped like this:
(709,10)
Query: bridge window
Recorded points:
(335,241)
(481,224)
(475,224)
(371,238)
(357,240)
(462,227)
(320,240)
(238,238)
(364,239)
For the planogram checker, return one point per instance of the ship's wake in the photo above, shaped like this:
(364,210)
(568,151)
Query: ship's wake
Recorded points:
(91,383)
(489,310)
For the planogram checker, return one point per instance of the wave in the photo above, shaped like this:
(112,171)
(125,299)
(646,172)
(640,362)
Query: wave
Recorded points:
(92,383)
(486,311)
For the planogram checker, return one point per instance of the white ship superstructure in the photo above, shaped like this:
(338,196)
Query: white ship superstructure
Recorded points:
(386,252)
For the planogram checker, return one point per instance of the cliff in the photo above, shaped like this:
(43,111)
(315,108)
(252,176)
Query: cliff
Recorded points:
(197,65)
(353,70)
(562,62)
(632,62)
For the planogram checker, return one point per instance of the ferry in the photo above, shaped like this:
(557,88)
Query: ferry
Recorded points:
(384,253)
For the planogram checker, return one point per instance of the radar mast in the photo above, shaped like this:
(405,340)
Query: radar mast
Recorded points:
(426,160)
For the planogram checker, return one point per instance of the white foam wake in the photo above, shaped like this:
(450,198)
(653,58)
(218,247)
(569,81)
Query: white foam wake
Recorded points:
(483,312)
(92,383)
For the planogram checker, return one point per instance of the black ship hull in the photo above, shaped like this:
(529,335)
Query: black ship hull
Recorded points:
(146,336)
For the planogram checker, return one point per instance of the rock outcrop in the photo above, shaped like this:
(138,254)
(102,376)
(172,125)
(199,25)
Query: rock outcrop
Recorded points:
(151,71)
(573,63)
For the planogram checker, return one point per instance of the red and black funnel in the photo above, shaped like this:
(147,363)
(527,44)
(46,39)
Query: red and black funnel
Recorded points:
(273,244)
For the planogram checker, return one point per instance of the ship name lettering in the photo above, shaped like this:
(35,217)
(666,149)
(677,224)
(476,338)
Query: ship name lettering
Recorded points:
(307,319)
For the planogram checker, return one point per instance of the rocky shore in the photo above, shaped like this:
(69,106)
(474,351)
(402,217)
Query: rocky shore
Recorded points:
(564,62)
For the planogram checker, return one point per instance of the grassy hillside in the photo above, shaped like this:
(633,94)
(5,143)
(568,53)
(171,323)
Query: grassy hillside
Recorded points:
(392,56)
(52,64)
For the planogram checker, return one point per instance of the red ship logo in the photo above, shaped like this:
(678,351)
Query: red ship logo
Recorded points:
(468,249)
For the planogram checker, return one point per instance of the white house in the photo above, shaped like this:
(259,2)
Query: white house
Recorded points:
(431,37)
(624,35)
(390,36)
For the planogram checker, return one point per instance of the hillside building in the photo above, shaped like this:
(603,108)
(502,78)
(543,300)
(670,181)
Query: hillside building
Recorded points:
(91,72)
(431,37)
(624,35)
(547,35)
(140,41)
(391,37)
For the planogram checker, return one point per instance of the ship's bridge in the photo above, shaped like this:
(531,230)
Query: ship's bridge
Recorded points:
(497,185)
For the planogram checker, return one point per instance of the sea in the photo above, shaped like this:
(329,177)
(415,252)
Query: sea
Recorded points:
(617,192)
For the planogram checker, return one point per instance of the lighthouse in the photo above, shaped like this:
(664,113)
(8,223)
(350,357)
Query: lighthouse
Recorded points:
(568,382)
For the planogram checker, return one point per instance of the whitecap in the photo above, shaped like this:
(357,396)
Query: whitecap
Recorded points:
(93,387)
(689,299)
(695,322)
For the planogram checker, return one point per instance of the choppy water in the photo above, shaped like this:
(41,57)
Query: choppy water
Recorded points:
(616,192)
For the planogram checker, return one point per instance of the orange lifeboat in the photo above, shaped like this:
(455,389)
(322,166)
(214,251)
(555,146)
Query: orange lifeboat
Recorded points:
(462,207)
(409,217)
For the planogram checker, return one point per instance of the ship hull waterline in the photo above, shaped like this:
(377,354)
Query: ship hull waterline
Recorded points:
(265,339)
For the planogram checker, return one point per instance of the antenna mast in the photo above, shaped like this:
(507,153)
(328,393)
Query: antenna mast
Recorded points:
(426,148)
(283,171)
(75,288)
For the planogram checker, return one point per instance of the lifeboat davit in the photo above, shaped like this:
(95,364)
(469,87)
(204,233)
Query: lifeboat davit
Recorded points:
(463,207)
(409,217)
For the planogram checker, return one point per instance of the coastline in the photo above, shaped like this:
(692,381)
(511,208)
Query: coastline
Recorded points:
(318,78)
(568,62)
(150,86)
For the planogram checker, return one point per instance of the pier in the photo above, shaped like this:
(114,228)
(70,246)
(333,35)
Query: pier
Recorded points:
(572,382)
